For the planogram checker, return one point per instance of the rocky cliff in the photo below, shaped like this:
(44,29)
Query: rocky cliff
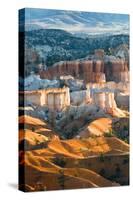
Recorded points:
(105,100)
(52,98)
(102,70)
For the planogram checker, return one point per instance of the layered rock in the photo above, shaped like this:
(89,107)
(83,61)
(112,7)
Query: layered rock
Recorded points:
(57,99)
(97,127)
(53,98)
(104,99)
(117,70)
(123,87)
(83,159)
(33,132)
(107,69)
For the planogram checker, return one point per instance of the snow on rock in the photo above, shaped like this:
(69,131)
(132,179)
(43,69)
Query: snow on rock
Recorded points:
(34,82)
(73,84)
(80,97)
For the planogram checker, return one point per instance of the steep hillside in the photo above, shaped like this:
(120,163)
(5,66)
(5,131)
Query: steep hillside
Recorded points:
(34,133)
(43,170)
(75,164)
(97,128)
(53,45)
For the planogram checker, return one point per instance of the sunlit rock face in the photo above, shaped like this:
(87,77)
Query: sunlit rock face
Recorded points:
(53,98)
(105,93)
(92,71)
(96,71)
(104,99)
(88,70)
(116,87)
(58,98)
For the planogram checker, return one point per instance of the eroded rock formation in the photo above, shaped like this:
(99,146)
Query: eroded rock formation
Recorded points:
(102,70)
(52,98)
(104,100)
(117,70)
(123,87)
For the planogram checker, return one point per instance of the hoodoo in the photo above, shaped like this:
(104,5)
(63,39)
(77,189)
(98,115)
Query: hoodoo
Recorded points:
(90,70)
(52,98)
(104,100)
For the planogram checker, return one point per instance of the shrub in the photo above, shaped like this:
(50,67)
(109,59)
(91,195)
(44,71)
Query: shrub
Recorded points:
(118,172)
(126,140)
(126,161)
(108,134)
(59,161)
(111,133)
(101,157)
(61,179)
(102,172)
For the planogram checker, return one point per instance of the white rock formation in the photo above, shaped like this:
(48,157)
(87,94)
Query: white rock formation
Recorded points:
(104,99)
(52,98)
(120,87)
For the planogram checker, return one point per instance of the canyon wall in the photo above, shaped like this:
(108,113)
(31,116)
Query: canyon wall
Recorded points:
(57,99)
(104,100)
(110,69)
(123,87)
(52,98)
(117,70)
